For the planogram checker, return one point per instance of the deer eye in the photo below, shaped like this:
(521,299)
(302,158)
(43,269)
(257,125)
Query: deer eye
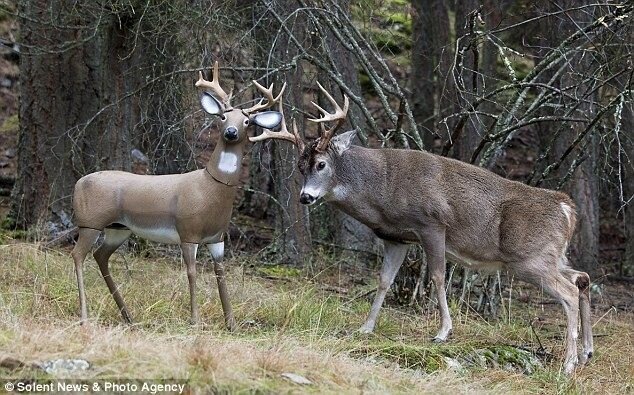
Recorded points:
(321,165)
(223,117)
(246,121)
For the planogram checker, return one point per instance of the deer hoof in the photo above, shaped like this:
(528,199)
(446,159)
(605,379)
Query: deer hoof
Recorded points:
(231,325)
(127,319)
(366,329)
(569,369)
(442,336)
(585,357)
(569,366)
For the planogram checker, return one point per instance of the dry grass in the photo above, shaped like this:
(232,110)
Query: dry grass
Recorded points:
(286,326)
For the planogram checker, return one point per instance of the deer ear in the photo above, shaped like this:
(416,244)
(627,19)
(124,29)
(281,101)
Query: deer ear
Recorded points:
(210,104)
(343,141)
(267,119)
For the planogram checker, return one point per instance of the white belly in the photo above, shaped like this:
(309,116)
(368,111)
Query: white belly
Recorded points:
(167,235)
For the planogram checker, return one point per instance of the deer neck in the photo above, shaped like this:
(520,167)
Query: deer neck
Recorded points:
(357,168)
(225,164)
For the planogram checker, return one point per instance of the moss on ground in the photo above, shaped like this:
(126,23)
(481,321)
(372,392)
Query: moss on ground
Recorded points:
(11,125)
(281,271)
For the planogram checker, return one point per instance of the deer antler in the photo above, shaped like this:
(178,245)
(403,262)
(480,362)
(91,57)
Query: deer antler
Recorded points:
(338,115)
(268,95)
(214,85)
(283,134)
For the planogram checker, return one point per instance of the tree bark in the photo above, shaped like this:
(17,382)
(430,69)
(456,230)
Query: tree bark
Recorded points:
(467,79)
(291,217)
(85,100)
(431,57)
(62,87)
(584,189)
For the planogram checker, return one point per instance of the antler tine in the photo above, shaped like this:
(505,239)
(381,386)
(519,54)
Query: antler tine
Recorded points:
(299,141)
(268,96)
(214,85)
(283,134)
(338,115)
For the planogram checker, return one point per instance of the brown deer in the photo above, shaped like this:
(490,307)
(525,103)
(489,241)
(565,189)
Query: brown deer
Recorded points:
(455,210)
(186,209)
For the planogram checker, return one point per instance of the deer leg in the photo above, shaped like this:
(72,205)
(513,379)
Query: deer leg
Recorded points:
(581,280)
(217,251)
(392,261)
(189,256)
(434,245)
(87,238)
(586,320)
(543,274)
(113,240)
(568,296)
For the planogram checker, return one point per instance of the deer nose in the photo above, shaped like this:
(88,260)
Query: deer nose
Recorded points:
(305,198)
(231,133)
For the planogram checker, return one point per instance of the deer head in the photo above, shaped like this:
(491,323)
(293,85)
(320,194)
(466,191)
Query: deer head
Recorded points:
(235,121)
(316,159)
(316,162)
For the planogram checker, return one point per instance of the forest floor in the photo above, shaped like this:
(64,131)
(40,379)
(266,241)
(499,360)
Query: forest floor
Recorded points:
(290,321)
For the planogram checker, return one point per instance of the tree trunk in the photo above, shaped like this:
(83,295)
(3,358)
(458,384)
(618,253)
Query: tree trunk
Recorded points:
(82,72)
(161,104)
(292,220)
(467,81)
(62,87)
(291,217)
(584,189)
(431,56)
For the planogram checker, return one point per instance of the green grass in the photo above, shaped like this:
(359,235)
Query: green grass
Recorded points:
(288,322)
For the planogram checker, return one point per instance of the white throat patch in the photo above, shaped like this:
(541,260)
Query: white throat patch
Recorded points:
(339,192)
(228,162)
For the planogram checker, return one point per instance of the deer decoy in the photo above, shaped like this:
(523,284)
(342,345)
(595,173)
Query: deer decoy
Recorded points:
(456,210)
(186,209)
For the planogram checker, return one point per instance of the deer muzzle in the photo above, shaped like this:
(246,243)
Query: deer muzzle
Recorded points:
(305,198)
(231,133)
